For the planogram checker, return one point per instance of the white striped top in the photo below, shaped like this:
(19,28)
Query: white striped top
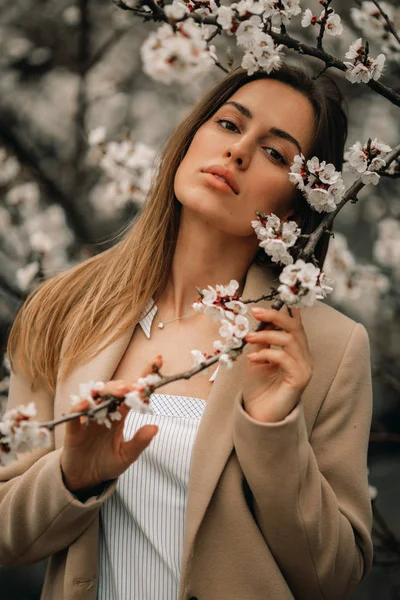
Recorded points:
(142,523)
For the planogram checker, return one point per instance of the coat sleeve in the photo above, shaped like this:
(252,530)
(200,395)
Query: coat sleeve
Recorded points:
(311,495)
(38,514)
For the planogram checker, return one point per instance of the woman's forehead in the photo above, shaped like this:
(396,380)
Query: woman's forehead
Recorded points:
(273,104)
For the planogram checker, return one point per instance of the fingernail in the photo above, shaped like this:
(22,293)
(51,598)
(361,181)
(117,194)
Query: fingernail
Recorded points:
(256,310)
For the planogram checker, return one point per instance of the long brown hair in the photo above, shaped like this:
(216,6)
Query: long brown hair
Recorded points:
(83,304)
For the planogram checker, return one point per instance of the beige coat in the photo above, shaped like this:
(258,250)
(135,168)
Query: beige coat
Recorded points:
(275,511)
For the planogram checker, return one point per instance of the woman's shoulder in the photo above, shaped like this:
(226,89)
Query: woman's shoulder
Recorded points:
(326,316)
(329,331)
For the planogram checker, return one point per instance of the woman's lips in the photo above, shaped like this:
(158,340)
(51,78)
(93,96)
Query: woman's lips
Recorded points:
(218,183)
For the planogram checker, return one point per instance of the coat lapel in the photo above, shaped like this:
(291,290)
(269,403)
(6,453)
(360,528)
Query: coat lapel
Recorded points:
(214,440)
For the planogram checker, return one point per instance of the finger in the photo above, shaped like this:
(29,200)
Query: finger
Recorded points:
(132,449)
(268,337)
(275,356)
(74,426)
(277,317)
(117,387)
(153,366)
(300,374)
(294,346)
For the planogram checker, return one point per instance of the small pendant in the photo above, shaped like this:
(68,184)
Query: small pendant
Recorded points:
(161,325)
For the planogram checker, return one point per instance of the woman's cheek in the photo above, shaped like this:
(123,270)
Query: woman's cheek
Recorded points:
(281,196)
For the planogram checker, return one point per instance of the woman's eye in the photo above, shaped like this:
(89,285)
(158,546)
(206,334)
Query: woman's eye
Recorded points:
(230,124)
(276,155)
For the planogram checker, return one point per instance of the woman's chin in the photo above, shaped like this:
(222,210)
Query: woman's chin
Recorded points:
(217,219)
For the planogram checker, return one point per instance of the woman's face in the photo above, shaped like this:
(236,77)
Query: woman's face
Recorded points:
(251,142)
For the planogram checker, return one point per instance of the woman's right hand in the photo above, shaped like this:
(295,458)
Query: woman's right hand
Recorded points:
(92,453)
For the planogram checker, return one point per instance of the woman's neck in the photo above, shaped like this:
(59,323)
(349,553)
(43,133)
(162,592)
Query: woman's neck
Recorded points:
(203,256)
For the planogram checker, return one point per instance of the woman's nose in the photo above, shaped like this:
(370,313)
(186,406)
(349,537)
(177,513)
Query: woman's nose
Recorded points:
(240,157)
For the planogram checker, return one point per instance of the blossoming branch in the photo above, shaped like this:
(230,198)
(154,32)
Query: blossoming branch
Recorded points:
(173,54)
(301,284)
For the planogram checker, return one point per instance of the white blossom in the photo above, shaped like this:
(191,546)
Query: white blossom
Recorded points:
(373,492)
(357,157)
(370,177)
(265,56)
(248,32)
(134,401)
(86,392)
(366,159)
(205,9)
(40,242)
(356,48)
(386,249)
(176,10)
(97,136)
(128,168)
(209,295)
(244,7)
(218,345)
(18,433)
(171,57)
(308,18)
(370,20)
(227,329)
(138,399)
(320,183)
(9,167)
(363,69)
(241,327)
(226,360)
(227,290)
(277,237)
(334,24)
(198,358)
(374,27)
(26,275)
(24,193)
(227,19)
(301,284)
(72,15)
(222,304)
(262,54)
(282,12)
(235,307)
(353,282)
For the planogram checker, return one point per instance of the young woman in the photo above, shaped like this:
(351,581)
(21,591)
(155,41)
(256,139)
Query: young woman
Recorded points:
(255,485)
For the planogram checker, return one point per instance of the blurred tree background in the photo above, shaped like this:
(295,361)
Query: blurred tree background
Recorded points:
(71,82)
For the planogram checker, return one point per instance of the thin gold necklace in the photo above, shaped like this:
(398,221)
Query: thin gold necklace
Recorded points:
(162,324)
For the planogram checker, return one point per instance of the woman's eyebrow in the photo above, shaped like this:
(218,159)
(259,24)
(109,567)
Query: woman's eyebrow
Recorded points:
(284,135)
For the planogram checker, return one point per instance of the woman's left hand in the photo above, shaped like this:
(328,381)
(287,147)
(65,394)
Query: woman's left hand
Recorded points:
(276,377)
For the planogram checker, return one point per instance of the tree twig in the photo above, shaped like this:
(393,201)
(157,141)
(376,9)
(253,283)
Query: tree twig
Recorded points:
(351,194)
(28,157)
(323,24)
(280,38)
(390,25)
